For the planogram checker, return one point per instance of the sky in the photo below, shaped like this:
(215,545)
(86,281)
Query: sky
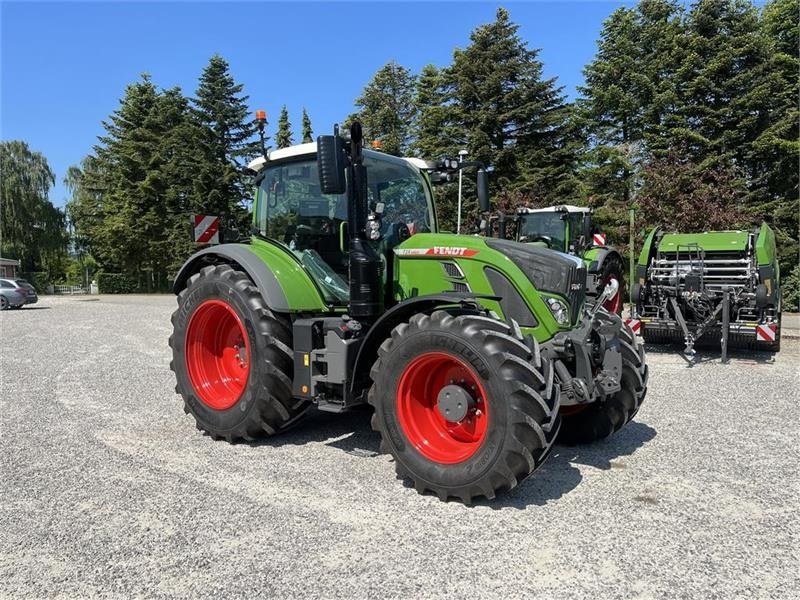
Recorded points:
(64,66)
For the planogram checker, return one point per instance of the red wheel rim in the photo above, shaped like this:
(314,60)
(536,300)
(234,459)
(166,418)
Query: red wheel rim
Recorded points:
(613,304)
(433,436)
(217,354)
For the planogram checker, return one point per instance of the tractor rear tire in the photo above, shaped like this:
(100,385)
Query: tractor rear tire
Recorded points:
(600,419)
(510,404)
(232,357)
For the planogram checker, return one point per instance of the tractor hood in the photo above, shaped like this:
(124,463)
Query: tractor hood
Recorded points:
(710,241)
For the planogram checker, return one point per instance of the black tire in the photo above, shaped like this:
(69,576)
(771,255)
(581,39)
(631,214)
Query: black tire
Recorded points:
(266,405)
(4,305)
(604,417)
(520,396)
(613,267)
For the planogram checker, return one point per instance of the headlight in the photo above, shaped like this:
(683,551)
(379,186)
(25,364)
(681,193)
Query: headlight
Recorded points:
(559,309)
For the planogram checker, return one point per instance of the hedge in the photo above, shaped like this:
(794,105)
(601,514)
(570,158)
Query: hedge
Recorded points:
(115,283)
(38,279)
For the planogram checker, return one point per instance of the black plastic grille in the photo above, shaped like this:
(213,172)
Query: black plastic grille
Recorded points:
(452,270)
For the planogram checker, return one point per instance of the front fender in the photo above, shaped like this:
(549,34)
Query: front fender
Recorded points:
(400,313)
(594,258)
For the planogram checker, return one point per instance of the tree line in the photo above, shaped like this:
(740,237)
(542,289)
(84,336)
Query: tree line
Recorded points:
(688,114)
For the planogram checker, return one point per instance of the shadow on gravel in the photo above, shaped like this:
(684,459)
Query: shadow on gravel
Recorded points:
(558,476)
(709,354)
(351,433)
(26,309)
(329,428)
(606,454)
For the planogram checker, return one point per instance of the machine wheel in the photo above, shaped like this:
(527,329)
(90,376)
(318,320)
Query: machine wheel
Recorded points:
(232,357)
(3,303)
(598,420)
(464,406)
(613,269)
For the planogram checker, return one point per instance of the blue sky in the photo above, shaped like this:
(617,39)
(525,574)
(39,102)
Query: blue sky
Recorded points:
(65,65)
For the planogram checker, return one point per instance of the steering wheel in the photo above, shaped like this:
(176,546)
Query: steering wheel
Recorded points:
(537,238)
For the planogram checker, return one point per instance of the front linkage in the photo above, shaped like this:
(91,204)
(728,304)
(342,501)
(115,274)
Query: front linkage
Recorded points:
(600,366)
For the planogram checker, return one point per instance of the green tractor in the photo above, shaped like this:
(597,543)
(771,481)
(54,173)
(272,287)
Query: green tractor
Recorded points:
(571,229)
(722,285)
(472,351)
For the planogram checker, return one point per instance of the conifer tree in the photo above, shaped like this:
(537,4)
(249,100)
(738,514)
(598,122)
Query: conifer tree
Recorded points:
(228,141)
(386,108)
(283,138)
(513,118)
(308,133)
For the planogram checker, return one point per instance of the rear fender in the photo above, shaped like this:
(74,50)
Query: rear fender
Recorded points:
(244,258)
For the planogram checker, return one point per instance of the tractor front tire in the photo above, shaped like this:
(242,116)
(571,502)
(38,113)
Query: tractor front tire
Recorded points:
(602,418)
(232,357)
(465,406)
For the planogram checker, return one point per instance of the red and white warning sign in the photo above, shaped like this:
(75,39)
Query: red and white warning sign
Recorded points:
(206,229)
(599,239)
(766,333)
(634,324)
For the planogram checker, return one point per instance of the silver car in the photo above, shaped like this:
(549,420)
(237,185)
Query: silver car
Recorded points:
(16,293)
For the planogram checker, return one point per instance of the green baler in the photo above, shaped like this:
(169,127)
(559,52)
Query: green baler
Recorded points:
(472,351)
(701,286)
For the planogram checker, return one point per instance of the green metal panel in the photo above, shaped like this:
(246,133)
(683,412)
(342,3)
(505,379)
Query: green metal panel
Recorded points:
(644,255)
(765,246)
(591,254)
(709,240)
(419,271)
(299,288)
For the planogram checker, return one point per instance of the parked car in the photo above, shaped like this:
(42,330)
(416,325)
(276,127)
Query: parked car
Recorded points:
(16,293)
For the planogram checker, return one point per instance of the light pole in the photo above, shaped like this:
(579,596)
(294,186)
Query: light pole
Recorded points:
(461,155)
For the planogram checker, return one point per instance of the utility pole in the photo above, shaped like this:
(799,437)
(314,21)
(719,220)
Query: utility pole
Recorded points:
(461,155)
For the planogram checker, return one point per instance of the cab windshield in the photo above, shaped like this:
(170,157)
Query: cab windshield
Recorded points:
(543,227)
(291,210)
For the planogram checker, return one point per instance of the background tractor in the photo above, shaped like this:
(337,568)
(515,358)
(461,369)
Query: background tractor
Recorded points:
(723,284)
(468,349)
(571,229)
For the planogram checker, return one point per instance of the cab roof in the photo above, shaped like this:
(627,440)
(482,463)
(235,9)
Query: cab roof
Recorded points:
(310,149)
(567,208)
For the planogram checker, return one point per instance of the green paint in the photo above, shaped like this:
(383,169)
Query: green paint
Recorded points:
(301,292)
(644,255)
(422,275)
(709,241)
(765,246)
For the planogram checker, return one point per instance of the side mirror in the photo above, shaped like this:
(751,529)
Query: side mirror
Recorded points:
(483,191)
(331,164)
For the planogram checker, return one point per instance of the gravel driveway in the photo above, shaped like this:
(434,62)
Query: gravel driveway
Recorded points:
(108,489)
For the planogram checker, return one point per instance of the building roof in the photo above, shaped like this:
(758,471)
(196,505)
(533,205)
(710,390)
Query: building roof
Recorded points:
(9,262)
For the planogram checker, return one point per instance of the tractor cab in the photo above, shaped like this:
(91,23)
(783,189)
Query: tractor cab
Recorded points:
(566,228)
(292,209)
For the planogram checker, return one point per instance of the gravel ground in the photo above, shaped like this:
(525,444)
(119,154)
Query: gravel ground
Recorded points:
(108,489)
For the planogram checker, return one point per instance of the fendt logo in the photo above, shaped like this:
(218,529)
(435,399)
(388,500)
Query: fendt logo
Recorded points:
(448,251)
(436,251)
